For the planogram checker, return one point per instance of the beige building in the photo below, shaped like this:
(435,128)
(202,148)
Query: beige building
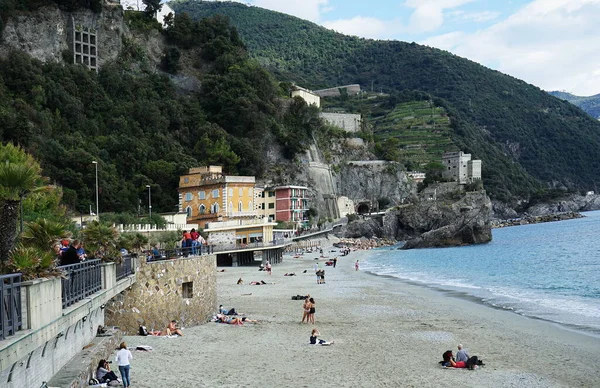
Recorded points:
(207,195)
(239,233)
(264,203)
(307,95)
(459,167)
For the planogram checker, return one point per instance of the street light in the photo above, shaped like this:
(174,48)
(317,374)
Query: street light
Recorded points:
(97,207)
(149,201)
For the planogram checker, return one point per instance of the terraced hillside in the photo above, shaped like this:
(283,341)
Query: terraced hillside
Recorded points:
(422,129)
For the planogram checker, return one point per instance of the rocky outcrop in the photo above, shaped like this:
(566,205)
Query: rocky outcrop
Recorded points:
(45,33)
(368,181)
(574,203)
(442,223)
(367,227)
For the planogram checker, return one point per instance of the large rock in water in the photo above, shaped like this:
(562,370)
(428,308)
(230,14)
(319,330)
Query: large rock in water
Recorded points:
(442,223)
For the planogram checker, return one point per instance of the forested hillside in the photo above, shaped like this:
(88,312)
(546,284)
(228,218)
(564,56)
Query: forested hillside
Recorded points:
(522,134)
(589,104)
(138,127)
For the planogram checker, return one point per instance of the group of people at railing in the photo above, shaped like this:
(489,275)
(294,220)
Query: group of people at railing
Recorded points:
(69,252)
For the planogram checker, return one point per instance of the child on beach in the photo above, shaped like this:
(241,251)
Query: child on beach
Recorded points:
(314,340)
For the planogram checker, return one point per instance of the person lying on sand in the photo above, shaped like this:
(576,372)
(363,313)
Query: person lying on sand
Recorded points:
(290,274)
(314,340)
(224,311)
(449,362)
(234,320)
(259,283)
(172,329)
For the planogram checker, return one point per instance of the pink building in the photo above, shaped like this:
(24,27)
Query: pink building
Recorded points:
(291,204)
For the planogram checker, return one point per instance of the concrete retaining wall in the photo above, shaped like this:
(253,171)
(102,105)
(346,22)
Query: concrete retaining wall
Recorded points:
(183,289)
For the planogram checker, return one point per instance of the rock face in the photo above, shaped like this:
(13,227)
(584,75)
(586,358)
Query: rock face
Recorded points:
(45,33)
(575,203)
(441,223)
(368,228)
(367,181)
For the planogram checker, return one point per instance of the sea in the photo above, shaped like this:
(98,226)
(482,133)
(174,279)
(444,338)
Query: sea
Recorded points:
(548,271)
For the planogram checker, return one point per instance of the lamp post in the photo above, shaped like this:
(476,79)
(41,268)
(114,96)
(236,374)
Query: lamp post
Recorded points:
(149,201)
(97,207)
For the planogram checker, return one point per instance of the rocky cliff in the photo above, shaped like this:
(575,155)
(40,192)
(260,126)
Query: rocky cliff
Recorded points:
(441,223)
(574,203)
(45,33)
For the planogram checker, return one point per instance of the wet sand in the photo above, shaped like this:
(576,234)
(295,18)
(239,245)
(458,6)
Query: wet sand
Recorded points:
(387,334)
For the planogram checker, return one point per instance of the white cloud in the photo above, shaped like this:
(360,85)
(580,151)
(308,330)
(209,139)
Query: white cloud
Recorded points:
(550,43)
(305,9)
(428,15)
(365,27)
(477,17)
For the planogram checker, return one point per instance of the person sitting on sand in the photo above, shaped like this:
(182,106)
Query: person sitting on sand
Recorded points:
(240,281)
(104,374)
(314,340)
(449,362)
(172,329)
(462,354)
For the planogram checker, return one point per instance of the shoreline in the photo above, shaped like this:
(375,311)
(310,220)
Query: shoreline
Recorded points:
(386,332)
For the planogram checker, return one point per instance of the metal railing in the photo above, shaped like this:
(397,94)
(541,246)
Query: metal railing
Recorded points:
(125,268)
(177,253)
(10,305)
(81,280)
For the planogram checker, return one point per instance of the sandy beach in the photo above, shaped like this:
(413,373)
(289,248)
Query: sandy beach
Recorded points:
(387,334)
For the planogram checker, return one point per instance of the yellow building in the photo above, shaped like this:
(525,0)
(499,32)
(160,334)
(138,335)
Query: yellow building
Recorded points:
(206,195)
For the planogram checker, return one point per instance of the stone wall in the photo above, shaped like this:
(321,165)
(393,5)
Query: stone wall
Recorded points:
(163,292)
(347,121)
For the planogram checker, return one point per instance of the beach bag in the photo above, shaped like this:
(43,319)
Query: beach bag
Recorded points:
(143,331)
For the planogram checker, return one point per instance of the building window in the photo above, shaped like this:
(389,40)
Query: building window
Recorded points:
(201,195)
(214,208)
(271,193)
(230,206)
(188,211)
(231,192)
(250,205)
(186,180)
(187,290)
(241,192)
(188,196)
(202,209)
(215,193)
(271,206)
(240,206)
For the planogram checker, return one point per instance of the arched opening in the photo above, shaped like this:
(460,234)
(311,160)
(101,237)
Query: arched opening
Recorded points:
(202,209)
(188,211)
(363,208)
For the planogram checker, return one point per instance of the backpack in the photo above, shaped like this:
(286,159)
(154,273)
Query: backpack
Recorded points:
(143,331)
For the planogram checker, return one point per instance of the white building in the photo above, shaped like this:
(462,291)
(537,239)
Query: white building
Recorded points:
(307,95)
(459,167)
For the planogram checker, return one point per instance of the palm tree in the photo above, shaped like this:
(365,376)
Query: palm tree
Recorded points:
(20,175)
(101,240)
(44,233)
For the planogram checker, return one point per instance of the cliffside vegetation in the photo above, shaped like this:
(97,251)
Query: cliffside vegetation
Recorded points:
(526,138)
(138,127)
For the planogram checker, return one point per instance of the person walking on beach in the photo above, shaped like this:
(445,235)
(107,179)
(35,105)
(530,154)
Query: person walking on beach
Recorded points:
(122,359)
(334,261)
(268,267)
(356,266)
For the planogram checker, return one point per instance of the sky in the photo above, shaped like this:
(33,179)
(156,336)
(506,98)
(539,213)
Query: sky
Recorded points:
(553,44)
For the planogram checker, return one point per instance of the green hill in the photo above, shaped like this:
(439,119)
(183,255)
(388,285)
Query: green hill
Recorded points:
(523,135)
(589,104)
